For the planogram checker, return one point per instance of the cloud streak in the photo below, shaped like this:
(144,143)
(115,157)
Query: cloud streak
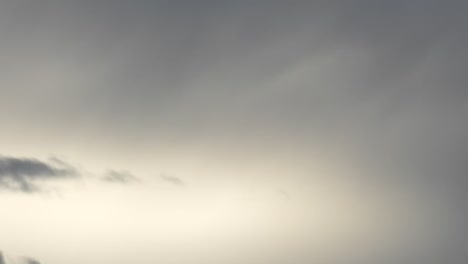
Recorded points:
(123,177)
(172,179)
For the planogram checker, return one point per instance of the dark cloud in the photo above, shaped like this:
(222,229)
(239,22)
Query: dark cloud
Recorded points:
(113,176)
(172,179)
(25,174)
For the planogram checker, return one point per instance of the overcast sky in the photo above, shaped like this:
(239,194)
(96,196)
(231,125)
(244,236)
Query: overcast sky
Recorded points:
(216,131)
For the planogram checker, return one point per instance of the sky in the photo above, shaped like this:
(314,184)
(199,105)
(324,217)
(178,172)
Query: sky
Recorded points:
(261,132)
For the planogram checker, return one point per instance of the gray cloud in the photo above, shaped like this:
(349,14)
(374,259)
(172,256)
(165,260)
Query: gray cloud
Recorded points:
(113,176)
(25,174)
(23,260)
(172,179)
(29,260)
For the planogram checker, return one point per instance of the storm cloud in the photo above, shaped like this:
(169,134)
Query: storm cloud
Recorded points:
(264,91)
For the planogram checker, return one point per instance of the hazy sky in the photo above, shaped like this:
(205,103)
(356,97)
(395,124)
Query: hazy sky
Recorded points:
(260,132)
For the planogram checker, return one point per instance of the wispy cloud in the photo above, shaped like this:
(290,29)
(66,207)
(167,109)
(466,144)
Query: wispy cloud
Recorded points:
(172,179)
(123,177)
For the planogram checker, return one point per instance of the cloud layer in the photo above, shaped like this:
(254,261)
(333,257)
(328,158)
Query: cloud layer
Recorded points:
(264,90)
